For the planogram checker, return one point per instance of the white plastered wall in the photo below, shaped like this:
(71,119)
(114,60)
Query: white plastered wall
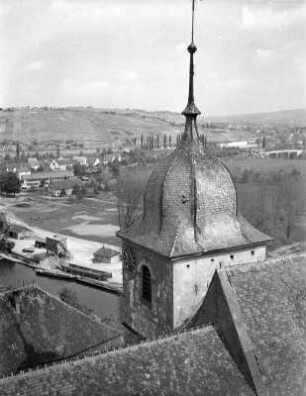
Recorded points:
(191,278)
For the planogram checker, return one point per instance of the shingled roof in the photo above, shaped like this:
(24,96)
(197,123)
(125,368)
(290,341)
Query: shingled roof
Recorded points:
(193,363)
(190,207)
(36,327)
(260,310)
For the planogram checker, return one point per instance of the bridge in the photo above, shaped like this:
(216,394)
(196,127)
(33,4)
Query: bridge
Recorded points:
(284,153)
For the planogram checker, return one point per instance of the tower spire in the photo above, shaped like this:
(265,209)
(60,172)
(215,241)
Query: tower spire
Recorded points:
(191,111)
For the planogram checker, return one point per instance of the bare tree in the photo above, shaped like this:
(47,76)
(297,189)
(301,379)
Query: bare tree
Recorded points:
(131,186)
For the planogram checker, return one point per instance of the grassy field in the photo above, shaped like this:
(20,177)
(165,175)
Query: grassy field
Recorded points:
(92,219)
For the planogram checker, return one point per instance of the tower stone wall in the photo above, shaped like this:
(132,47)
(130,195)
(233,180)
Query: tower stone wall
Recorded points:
(149,319)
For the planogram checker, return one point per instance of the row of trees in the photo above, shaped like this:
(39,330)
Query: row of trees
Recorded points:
(152,142)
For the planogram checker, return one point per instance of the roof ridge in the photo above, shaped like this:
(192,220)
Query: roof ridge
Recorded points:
(241,329)
(259,265)
(68,362)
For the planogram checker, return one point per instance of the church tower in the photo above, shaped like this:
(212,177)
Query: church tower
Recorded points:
(190,227)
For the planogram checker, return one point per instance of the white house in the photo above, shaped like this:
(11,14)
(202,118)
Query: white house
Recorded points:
(80,159)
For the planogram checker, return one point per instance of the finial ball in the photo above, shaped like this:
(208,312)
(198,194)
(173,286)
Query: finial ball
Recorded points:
(192,48)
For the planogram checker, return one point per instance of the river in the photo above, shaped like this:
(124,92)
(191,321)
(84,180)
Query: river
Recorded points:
(105,305)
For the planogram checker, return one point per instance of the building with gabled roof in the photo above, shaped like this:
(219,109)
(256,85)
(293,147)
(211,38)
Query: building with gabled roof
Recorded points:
(61,164)
(33,163)
(80,159)
(105,255)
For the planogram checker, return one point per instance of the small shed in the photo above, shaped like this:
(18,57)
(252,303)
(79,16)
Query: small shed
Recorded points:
(17,231)
(57,245)
(40,243)
(105,255)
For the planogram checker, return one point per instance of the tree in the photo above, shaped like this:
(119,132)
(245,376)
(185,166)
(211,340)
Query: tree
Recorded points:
(131,188)
(9,183)
(79,170)
(76,190)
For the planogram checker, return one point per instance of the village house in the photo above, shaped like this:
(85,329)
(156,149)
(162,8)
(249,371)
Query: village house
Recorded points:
(79,159)
(43,179)
(241,144)
(33,163)
(22,171)
(57,245)
(110,158)
(19,232)
(96,162)
(106,255)
(59,187)
(61,164)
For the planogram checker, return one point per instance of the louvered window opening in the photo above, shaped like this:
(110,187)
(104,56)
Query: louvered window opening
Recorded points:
(146,284)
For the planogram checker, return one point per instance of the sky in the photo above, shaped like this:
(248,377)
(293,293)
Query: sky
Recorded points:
(132,54)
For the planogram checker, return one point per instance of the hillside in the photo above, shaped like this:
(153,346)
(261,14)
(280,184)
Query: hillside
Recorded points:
(103,125)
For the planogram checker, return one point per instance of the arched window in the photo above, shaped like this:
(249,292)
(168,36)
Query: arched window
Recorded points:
(146,284)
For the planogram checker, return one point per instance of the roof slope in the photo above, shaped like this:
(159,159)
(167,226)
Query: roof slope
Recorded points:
(36,327)
(194,363)
(272,300)
(266,307)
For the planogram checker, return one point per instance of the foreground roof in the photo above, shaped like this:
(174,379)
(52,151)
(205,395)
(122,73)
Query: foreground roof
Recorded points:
(193,363)
(36,327)
(264,304)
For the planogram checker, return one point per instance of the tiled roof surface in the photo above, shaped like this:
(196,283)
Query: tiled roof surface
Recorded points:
(49,175)
(17,228)
(106,251)
(194,363)
(66,184)
(272,300)
(36,327)
(190,207)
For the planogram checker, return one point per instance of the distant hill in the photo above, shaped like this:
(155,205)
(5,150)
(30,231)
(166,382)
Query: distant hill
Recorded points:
(283,117)
(103,125)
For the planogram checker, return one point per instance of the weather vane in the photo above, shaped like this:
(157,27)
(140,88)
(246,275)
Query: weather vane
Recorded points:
(192,26)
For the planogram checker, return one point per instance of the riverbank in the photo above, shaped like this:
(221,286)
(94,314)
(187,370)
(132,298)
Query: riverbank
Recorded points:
(80,253)
(104,304)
